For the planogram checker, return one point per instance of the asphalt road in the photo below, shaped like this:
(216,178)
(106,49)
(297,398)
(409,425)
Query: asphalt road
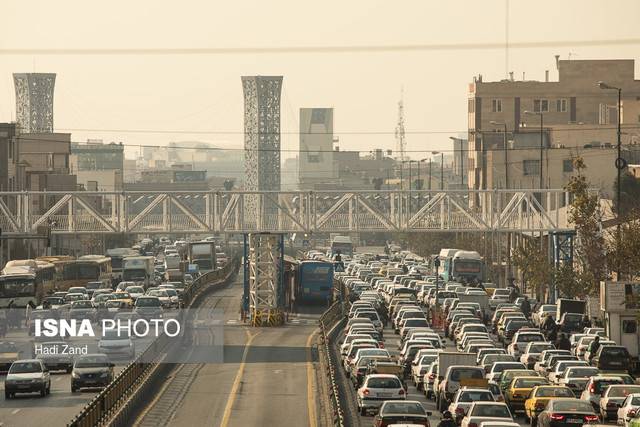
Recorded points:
(57,409)
(267,376)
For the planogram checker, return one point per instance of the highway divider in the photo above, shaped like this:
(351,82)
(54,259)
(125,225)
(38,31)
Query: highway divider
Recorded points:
(329,319)
(135,384)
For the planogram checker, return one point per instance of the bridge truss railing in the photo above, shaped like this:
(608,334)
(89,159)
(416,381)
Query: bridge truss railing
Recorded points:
(243,212)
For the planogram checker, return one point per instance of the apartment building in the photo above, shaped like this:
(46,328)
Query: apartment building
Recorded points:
(550,122)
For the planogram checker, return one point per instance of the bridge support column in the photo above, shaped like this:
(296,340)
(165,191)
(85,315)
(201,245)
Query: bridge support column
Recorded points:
(264,263)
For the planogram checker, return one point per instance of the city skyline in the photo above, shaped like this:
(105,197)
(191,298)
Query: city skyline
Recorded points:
(201,93)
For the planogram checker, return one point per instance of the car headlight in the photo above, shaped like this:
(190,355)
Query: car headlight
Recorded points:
(74,374)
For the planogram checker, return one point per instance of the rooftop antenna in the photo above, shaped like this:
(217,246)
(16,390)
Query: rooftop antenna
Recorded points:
(401,143)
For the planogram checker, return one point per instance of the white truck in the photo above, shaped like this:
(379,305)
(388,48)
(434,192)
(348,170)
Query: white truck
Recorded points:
(138,269)
(483,300)
(172,261)
(446,360)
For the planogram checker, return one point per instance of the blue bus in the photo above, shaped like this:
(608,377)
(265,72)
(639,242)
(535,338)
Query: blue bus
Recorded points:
(315,281)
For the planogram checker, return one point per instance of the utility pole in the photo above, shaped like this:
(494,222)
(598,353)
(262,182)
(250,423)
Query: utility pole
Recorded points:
(401,144)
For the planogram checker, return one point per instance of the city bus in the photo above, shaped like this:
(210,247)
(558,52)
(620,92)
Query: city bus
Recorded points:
(87,268)
(463,266)
(25,281)
(315,281)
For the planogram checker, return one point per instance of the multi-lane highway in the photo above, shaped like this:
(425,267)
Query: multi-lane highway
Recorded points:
(267,377)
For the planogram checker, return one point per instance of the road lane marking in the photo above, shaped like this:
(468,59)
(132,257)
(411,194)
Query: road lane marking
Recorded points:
(311,401)
(15,411)
(236,382)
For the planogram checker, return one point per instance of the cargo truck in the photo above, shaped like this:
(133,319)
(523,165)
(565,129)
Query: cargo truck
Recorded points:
(138,269)
(202,254)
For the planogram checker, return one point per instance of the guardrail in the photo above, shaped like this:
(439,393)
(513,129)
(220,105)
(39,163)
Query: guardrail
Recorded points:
(327,320)
(107,404)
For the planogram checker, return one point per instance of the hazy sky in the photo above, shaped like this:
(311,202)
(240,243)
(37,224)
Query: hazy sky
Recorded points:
(203,92)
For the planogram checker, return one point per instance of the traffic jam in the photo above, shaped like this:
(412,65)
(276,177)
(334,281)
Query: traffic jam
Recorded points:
(416,346)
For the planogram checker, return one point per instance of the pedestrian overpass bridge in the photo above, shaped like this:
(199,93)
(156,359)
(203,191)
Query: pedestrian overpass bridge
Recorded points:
(211,212)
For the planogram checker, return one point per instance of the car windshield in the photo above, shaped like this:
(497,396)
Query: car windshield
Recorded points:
(582,372)
(499,367)
(8,347)
(54,300)
(377,382)
(539,348)
(623,391)
(409,408)
(114,334)
(554,392)
(81,304)
(614,352)
(147,302)
(458,374)
(416,323)
(529,382)
(25,368)
(572,406)
(475,396)
(135,289)
(92,361)
(530,337)
(603,384)
(498,411)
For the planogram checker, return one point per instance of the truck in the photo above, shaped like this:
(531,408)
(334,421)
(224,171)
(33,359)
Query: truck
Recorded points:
(342,244)
(117,255)
(447,359)
(483,300)
(138,269)
(174,275)
(565,305)
(171,261)
(203,254)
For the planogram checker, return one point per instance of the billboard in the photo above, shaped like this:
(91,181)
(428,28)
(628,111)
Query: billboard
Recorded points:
(619,296)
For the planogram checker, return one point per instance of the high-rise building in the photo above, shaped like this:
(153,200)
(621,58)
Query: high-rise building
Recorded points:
(262,132)
(316,161)
(34,101)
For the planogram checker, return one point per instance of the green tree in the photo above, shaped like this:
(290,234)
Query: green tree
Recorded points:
(629,196)
(586,214)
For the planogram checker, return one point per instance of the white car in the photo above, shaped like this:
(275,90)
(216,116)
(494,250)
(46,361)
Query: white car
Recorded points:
(117,343)
(376,389)
(628,409)
(465,397)
(486,411)
(27,376)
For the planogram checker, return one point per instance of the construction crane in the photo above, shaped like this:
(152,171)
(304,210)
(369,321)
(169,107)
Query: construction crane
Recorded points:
(401,143)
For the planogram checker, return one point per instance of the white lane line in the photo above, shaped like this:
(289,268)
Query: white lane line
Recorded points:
(15,411)
(57,379)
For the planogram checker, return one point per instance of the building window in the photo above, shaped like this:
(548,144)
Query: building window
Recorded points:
(567,166)
(541,105)
(496,105)
(561,105)
(531,167)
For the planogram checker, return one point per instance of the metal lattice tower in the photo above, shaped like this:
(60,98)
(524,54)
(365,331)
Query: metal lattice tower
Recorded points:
(34,101)
(264,259)
(401,143)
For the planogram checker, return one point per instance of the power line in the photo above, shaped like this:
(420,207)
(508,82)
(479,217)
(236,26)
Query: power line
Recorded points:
(319,49)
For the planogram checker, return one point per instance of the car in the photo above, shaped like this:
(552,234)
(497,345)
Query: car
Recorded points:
(54,356)
(83,309)
(628,409)
(596,386)
(148,307)
(540,396)
(537,317)
(557,370)
(561,412)
(9,353)
(117,344)
(612,358)
(162,295)
(498,424)
(486,411)
(463,399)
(521,340)
(488,360)
(27,376)
(91,371)
(519,389)
(398,411)
(576,377)
(376,389)
(507,375)
(612,399)
(429,379)
(455,377)
(532,352)
(498,367)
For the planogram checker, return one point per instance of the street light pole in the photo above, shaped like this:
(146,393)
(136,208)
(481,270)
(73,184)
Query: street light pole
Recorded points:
(441,171)
(620,164)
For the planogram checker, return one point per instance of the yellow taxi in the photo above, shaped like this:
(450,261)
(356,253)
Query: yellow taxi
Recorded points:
(123,296)
(540,395)
(519,389)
